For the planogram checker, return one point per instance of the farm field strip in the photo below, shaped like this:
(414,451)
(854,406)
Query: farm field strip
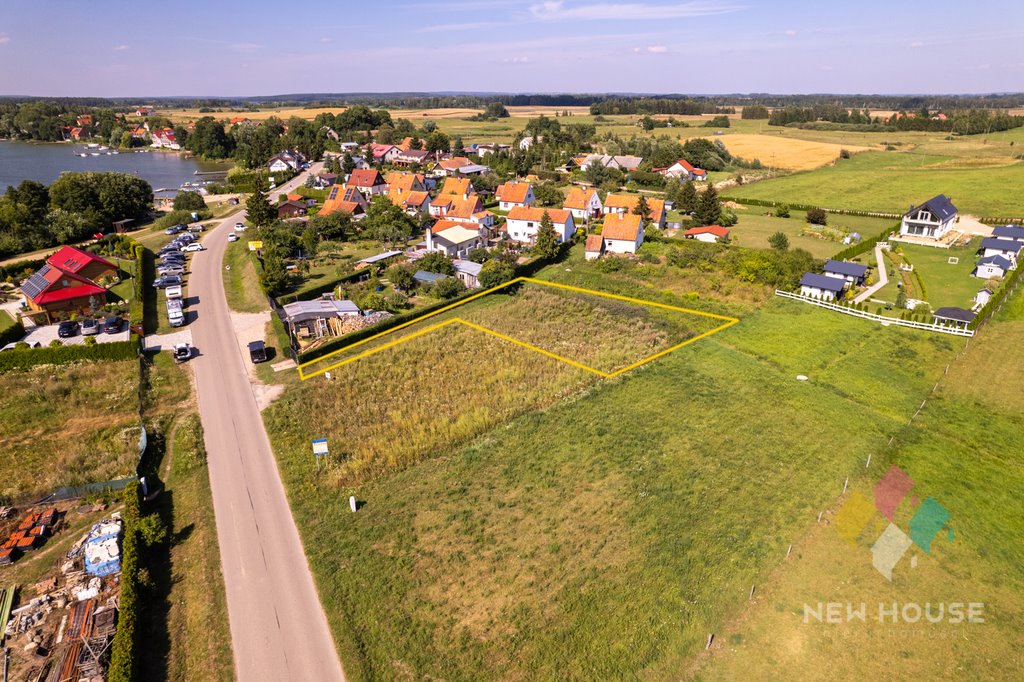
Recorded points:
(727,322)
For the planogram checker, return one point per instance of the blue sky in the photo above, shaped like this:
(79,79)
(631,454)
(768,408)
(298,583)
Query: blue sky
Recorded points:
(197,47)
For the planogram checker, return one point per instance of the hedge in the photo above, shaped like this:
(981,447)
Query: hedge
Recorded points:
(123,650)
(864,245)
(15,269)
(24,358)
(324,288)
(806,207)
(12,333)
(997,298)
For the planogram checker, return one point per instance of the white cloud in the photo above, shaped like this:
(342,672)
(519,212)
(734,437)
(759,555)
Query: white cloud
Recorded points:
(651,49)
(555,10)
(120,48)
(825,68)
(791,32)
(327,40)
(4,38)
(916,44)
(515,60)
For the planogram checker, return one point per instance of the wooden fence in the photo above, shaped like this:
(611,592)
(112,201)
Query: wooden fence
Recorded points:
(847,310)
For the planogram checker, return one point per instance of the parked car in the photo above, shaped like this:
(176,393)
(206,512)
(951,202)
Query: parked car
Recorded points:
(174,229)
(175,314)
(169,270)
(182,352)
(257,352)
(90,327)
(194,247)
(112,325)
(196,228)
(239,226)
(167,281)
(232,237)
(176,258)
(173,292)
(67,329)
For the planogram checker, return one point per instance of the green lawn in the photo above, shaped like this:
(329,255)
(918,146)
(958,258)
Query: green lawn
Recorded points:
(6,321)
(755,226)
(241,283)
(603,536)
(881,181)
(946,284)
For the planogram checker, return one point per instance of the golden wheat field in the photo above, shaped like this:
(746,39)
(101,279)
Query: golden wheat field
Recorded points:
(785,152)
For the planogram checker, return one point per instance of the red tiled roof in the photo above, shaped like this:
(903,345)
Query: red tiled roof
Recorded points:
(579,198)
(716,230)
(536,214)
(366,177)
(514,192)
(623,227)
(70,259)
(594,243)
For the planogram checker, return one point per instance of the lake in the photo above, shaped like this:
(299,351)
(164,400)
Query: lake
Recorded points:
(45,162)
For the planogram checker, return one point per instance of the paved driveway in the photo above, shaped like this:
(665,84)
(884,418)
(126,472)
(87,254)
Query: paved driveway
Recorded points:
(44,335)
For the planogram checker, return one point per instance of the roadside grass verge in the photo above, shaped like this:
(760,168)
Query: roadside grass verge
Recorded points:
(598,537)
(962,450)
(241,283)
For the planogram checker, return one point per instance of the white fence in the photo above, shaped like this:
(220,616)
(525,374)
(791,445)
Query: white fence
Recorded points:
(927,326)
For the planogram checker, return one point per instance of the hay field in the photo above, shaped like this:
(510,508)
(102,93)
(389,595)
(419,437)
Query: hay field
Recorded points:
(784,152)
(415,114)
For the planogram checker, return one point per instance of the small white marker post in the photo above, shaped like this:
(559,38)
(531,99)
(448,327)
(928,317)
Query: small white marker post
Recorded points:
(789,550)
(869,461)
(352,503)
(846,484)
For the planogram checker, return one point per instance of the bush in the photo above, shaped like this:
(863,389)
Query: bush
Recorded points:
(189,201)
(56,343)
(817,216)
(449,287)
(23,357)
(89,341)
(12,334)
(779,241)
(782,211)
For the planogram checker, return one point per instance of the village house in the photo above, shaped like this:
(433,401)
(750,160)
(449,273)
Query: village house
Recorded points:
(622,233)
(851,273)
(412,157)
(708,233)
(407,191)
(347,199)
(584,204)
(370,182)
(684,170)
(164,138)
(407,182)
(457,166)
(933,219)
(623,203)
(325,180)
(522,223)
(291,209)
(511,194)
(384,153)
(623,163)
(594,247)
(820,286)
(468,272)
(1007,248)
(84,120)
(993,266)
(453,239)
(454,194)
(1013,233)
(144,111)
(67,283)
(955,316)
(483,150)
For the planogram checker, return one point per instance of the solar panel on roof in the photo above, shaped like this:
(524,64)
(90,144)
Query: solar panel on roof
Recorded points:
(333,194)
(36,284)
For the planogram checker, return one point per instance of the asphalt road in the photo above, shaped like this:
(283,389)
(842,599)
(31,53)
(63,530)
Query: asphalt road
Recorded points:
(278,627)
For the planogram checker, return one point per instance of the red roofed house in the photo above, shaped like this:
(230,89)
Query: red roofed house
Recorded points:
(384,153)
(523,223)
(594,247)
(84,120)
(626,203)
(684,170)
(622,233)
(512,194)
(164,138)
(584,204)
(342,198)
(708,233)
(368,181)
(65,284)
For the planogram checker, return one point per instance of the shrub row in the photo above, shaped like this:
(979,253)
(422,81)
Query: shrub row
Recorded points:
(1001,221)
(12,333)
(806,207)
(24,358)
(864,245)
(324,288)
(15,269)
(1009,284)
(123,650)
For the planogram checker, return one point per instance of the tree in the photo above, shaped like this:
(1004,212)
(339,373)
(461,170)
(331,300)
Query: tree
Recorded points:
(438,142)
(336,226)
(782,211)
(457,145)
(401,277)
(310,240)
(547,194)
(259,210)
(478,255)
(189,201)
(817,216)
(687,198)
(437,262)
(709,209)
(348,164)
(546,244)
(495,272)
(642,209)
(779,241)
(449,287)
(386,221)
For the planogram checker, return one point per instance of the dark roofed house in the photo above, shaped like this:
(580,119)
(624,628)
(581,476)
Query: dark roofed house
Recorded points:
(992,266)
(821,286)
(933,219)
(1007,248)
(1011,232)
(424,277)
(291,209)
(854,273)
(957,316)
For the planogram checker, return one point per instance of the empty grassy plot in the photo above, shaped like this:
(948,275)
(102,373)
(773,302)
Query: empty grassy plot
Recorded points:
(946,284)
(408,402)
(785,152)
(67,425)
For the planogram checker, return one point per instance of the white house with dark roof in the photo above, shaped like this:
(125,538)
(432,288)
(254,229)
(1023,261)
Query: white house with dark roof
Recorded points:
(955,316)
(1007,248)
(851,273)
(932,219)
(1013,233)
(992,266)
(821,286)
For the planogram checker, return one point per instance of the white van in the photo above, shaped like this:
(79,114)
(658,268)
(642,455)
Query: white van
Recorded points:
(174,313)
(173,292)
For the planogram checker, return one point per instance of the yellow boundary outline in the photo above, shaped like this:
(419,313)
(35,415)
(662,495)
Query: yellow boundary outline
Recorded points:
(728,322)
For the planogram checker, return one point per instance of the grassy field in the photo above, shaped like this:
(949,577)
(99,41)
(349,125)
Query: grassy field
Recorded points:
(585,538)
(785,152)
(68,425)
(978,420)
(755,226)
(241,283)
(946,284)
(6,321)
(890,182)
(197,624)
